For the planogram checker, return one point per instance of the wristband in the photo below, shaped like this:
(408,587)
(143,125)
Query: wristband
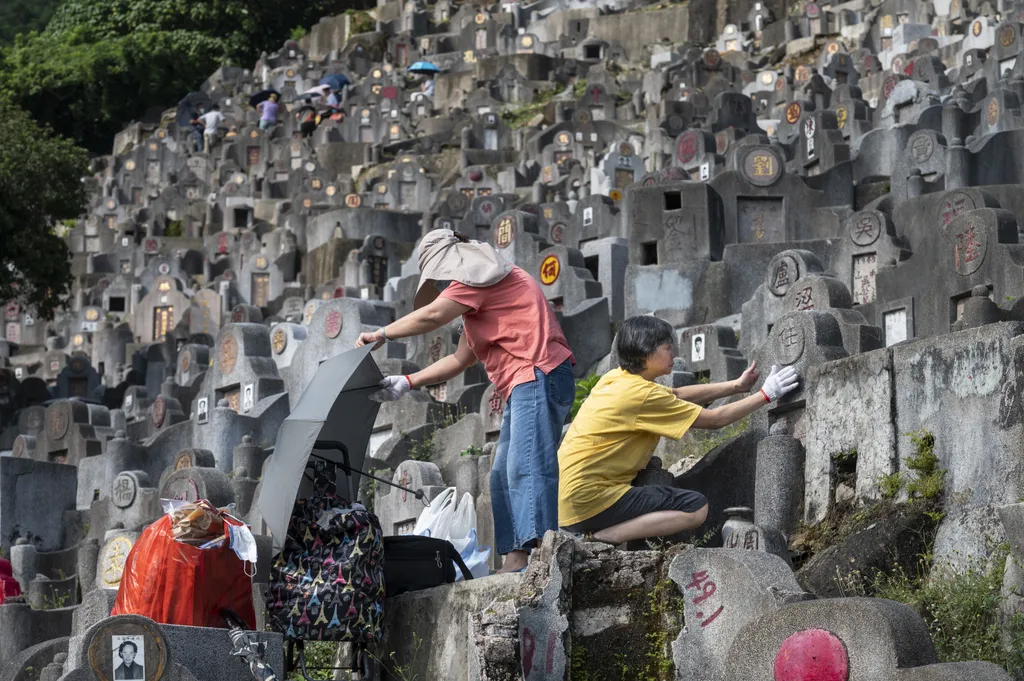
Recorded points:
(409,380)
(384,332)
(765,395)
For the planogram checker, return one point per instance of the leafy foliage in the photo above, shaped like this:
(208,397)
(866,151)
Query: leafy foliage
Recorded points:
(927,481)
(101,63)
(24,16)
(961,609)
(40,185)
(583,388)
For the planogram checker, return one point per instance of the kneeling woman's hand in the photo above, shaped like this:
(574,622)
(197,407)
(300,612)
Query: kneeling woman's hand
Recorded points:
(779,382)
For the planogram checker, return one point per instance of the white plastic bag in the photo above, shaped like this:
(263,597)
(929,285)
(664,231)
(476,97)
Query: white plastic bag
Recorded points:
(436,519)
(475,559)
(463,524)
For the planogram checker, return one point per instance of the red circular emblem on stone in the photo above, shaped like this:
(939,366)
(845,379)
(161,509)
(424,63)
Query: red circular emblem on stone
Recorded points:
(812,655)
(686,147)
(332,324)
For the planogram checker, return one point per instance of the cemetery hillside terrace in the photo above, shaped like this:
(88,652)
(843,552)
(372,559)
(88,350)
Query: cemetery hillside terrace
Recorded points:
(231,195)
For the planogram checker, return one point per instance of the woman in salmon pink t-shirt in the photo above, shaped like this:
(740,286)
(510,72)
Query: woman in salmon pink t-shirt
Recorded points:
(512,329)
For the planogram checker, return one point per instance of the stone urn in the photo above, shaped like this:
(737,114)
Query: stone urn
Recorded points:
(739,528)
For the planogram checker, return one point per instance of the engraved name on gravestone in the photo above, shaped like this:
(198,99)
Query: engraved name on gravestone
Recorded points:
(783,271)
(791,341)
(124,490)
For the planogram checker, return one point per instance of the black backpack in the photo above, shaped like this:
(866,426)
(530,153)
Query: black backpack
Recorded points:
(412,563)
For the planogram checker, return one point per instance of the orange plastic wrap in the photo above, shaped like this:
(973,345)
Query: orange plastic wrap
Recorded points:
(173,583)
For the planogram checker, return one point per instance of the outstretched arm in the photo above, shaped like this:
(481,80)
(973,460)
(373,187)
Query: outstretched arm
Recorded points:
(445,368)
(778,383)
(423,320)
(709,392)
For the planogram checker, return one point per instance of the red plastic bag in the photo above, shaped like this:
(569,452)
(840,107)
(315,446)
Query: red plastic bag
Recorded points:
(9,587)
(171,582)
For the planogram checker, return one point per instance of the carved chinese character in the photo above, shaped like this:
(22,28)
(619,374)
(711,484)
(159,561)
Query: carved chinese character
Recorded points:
(495,404)
(804,299)
(968,246)
(763,165)
(781,278)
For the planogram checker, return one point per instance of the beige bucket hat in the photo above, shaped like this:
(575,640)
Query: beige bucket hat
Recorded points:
(447,256)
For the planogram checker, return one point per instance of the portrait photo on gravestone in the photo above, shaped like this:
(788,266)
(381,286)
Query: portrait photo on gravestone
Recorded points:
(129,658)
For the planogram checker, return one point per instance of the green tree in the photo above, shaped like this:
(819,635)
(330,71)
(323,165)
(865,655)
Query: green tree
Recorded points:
(40,185)
(24,16)
(101,63)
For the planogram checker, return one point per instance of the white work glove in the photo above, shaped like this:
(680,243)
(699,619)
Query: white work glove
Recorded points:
(779,382)
(391,389)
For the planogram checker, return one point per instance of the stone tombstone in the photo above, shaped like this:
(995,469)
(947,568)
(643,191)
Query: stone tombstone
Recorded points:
(722,590)
(679,222)
(801,340)
(194,458)
(710,352)
(125,488)
(869,243)
(195,484)
(112,557)
(110,645)
(193,361)
(398,510)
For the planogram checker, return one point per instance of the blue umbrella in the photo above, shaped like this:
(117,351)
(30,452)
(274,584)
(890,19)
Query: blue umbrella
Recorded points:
(424,67)
(335,81)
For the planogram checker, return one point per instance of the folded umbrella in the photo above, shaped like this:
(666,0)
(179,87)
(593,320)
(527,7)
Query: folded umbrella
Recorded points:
(248,646)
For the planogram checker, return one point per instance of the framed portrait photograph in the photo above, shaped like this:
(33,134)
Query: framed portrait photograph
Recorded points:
(697,348)
(129,657)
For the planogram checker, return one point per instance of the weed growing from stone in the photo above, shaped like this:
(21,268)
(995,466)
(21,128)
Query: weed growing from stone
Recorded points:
(403,672)
(423,450)
(520,116)
(961,609)
(925,464)
(927,481)
(472,450)
(53,601)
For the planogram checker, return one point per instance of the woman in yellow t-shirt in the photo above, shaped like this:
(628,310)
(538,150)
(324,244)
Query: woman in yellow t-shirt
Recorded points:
(617,428)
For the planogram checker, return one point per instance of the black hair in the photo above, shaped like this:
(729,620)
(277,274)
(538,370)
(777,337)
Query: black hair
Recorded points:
(135,648)
(215,107)
(639,337)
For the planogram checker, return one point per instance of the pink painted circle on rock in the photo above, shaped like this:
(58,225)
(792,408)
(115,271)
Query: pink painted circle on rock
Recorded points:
(812,655)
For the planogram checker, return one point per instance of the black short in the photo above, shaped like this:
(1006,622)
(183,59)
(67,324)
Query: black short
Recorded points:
(640,501)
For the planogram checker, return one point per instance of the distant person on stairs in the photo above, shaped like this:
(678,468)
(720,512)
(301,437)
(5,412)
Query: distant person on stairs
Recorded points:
(268,112)
(211,120)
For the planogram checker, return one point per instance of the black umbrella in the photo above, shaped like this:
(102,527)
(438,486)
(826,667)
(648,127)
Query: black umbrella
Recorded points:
(188,105)
(248,646)
(262,96)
